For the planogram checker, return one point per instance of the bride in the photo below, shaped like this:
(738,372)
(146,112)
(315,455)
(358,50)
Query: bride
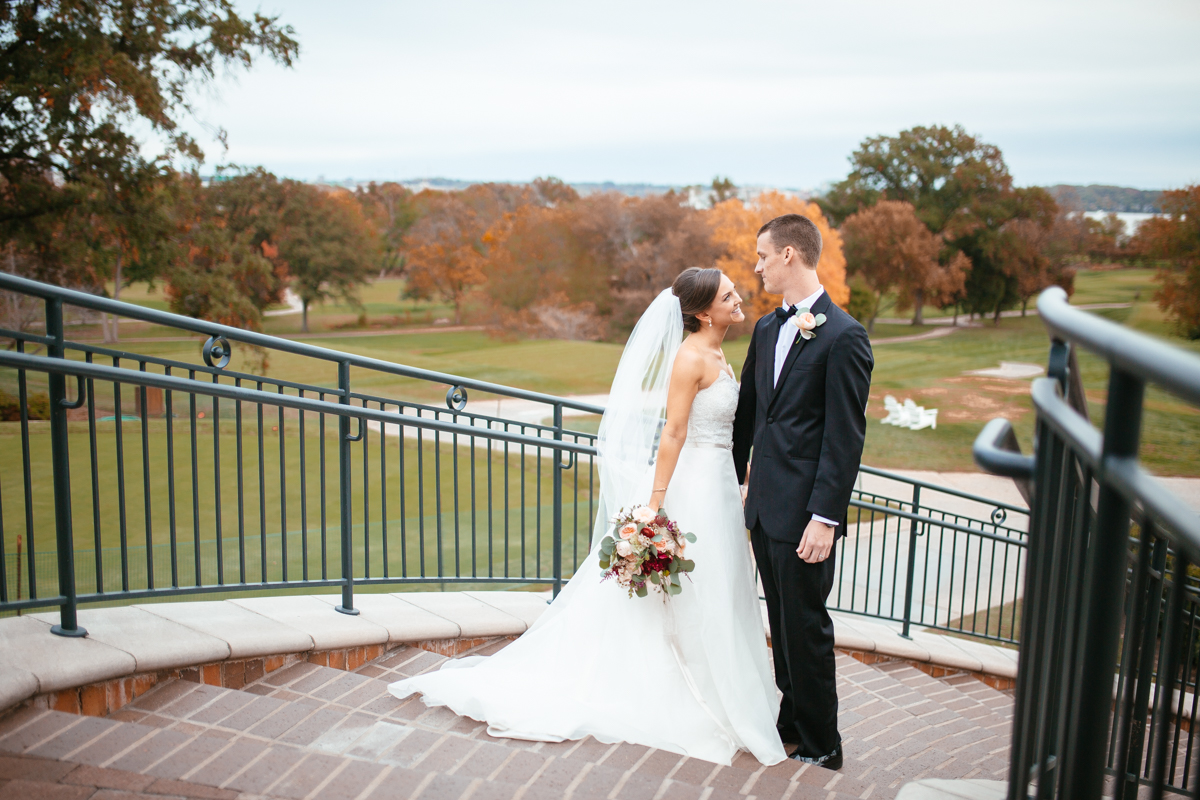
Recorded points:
(690,673)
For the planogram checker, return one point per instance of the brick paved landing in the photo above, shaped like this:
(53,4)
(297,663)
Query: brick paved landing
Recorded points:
(315,733)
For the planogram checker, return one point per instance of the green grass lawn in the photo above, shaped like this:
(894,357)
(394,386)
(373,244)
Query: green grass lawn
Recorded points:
(1108,285)
(930,372)
(454,511)
(382,303)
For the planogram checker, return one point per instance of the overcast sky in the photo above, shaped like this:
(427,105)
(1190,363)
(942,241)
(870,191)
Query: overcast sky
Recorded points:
(659,91)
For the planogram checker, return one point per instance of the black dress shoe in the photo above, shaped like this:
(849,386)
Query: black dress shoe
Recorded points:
(832,761)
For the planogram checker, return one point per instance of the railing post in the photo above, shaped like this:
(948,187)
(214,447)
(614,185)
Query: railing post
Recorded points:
(558,485)
(347,526)
(1107,561)
(912,561)
(61,461)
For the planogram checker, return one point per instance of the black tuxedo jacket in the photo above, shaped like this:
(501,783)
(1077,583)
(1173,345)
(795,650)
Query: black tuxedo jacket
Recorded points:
(806,432)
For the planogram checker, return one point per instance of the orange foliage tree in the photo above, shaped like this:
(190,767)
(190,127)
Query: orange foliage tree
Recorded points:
(444,256)
(889,246)
(1175,239)
(734,227)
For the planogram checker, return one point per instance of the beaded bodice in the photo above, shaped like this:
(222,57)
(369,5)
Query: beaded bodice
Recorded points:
(711,419)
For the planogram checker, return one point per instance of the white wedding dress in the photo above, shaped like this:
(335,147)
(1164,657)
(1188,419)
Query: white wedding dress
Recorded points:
(689,674)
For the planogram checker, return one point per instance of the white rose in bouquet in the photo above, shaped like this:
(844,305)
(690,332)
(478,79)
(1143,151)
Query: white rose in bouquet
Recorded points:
(644,514)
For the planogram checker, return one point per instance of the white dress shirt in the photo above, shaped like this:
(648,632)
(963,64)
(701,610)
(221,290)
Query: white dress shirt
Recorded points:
(787,332)
(787,335)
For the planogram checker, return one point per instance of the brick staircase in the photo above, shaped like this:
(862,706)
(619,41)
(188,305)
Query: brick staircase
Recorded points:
(308,731)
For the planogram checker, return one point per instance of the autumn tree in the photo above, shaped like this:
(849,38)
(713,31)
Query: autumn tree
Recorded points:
(893,251)
(541,278)
(734,228)
(327,243)
(1029,257)
(445,251)
(82,82)
(1174,238)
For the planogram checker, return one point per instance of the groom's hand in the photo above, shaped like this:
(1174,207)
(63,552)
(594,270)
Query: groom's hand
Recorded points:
(816,543)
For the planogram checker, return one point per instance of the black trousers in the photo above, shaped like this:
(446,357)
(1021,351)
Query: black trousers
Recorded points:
(801,643)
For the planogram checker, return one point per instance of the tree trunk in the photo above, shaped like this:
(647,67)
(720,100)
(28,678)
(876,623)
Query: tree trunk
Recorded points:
(874,314)
(1024,305)
(304,315)
(919,303)
(956,315)
(457,310)
(996,317)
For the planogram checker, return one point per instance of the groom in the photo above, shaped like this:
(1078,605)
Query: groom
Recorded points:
(803,411)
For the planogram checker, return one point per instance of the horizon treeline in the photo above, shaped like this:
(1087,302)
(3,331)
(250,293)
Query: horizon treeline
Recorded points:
(540,260)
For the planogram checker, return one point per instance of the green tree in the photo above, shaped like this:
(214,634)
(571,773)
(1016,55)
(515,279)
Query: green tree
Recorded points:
(132,227)
(392,210)
(81,81)
(329,247)
(722,189)
(226,266)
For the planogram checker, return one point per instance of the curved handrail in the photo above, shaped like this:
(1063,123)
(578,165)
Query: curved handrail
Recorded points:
(172,383)
(1173,369)
(213,329)
(993,450)
(988,501)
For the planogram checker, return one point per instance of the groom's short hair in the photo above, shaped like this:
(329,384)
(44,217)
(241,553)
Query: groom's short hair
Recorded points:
(798,232)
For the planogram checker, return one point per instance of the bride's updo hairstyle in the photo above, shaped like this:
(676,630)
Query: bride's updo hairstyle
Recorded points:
(696,289)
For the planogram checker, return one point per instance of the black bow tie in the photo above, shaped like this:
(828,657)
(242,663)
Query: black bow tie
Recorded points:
(782,315)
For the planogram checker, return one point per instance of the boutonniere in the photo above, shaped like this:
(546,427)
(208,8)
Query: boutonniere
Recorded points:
(807,323)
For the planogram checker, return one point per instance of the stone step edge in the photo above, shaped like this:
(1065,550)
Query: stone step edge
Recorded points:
(104,697)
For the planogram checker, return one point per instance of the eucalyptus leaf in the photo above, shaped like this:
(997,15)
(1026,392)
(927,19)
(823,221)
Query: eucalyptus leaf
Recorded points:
(641,591)
(820,319)
(604,564)
(691,537)
(654,577)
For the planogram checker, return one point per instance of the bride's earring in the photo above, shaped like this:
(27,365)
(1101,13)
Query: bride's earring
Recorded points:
(710,322)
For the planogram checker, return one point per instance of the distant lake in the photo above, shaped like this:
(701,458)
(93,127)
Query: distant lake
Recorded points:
(1131,218)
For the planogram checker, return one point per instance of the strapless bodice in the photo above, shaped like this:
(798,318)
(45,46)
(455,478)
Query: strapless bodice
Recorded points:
(710,422)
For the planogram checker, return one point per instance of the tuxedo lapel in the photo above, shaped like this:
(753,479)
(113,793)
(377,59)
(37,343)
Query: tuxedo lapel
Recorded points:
(819,307)
(766,357)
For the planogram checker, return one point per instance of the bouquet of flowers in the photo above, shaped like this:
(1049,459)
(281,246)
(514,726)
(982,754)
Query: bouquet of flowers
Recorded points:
(645,551)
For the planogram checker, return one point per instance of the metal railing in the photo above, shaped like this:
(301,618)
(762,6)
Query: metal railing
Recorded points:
(229,481)
(1107,673)
(163,477)
(938,558)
